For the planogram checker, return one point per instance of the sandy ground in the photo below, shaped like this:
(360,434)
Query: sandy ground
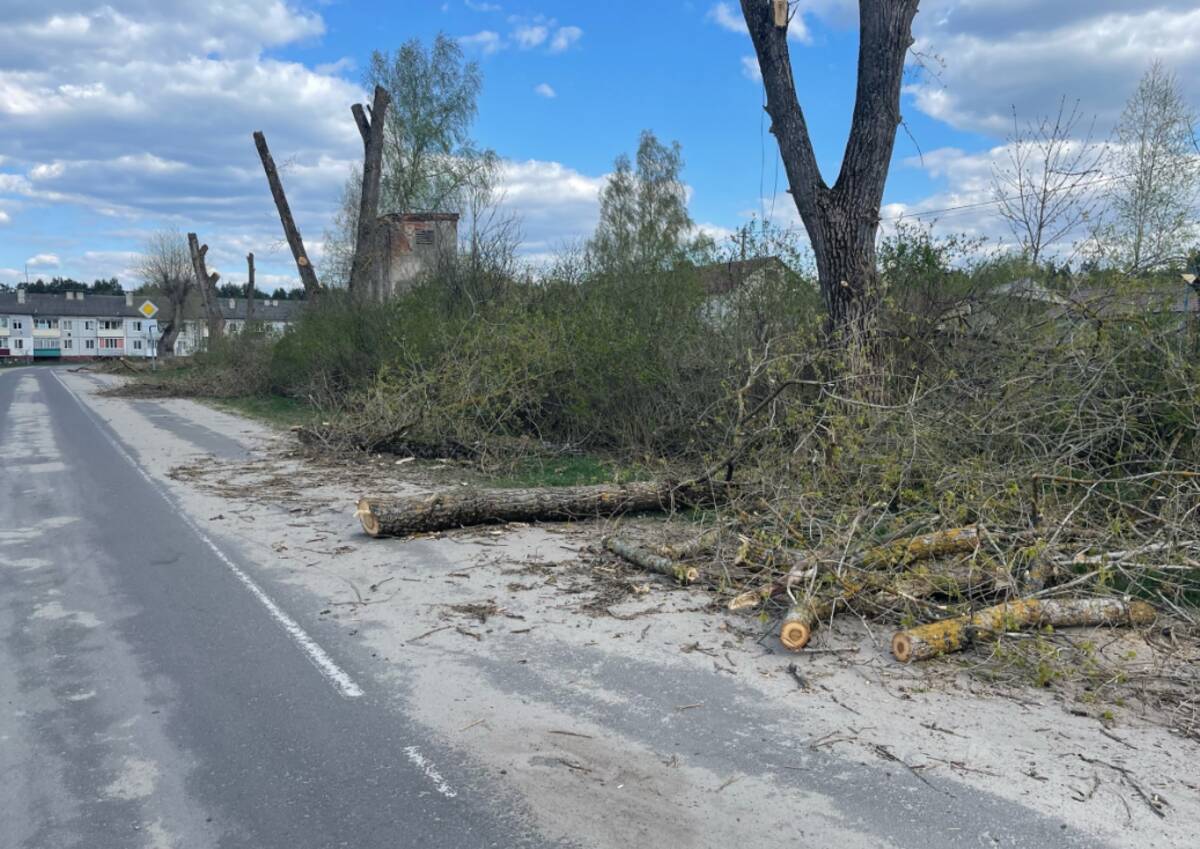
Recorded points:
(666,722)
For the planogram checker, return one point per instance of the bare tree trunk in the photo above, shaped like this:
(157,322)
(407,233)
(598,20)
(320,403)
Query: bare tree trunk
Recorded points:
(249,287)
(208,288)
(312,287)
(842,220)
(365,253)
(166,341)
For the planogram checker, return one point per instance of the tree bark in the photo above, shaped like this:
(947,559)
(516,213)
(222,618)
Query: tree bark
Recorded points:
(651,562)
(951,635)
(208,288)
(444,511)
(249,287)
(842,220)
(365,249)
(312,287)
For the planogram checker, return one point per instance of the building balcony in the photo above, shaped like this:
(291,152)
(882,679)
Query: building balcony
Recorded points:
(43,333)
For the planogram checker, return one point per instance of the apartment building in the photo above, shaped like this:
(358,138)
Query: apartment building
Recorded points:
(75,325)
(276,316)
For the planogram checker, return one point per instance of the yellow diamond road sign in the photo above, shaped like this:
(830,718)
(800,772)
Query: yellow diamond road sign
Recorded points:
(148,309)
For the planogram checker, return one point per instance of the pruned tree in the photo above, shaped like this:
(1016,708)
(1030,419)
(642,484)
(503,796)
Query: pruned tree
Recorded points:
(430,162)
(166,268)
(842,220)
(308,276)
(1044,189)
(1156,178)
(371,128)
(207,284)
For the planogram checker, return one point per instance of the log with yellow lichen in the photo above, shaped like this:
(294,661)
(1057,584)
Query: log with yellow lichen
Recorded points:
(951,635)
(924,547)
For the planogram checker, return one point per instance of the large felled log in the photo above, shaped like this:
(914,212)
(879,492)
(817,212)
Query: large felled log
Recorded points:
(951,635)
(652,562)
(463,508)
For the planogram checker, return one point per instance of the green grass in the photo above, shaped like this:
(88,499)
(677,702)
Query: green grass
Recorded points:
(274,410)
(579,470)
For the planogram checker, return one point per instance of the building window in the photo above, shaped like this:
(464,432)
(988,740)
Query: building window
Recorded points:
(16,324)
(111,324)
(425,236)
(137,344)
(89,325)
(19,344)
(137,327)
(110,344)
(45,324)
(68,345)
(3,321)
(90,344)
(66,325)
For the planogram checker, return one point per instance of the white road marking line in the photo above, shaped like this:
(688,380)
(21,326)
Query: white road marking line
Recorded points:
(426,766)
(324,663)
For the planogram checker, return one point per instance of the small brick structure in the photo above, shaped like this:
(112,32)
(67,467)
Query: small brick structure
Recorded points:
(410,246)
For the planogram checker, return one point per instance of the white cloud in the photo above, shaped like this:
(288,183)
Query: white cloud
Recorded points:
(724,16)
(750,69)
(564,37)
(727,17)
(545,90)
(1004,52)
(43,261)
(486,42)
(5,218)
(557,204)
(481,7)
(529,37)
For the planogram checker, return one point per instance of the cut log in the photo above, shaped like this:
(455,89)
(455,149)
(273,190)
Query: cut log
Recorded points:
(951,635)
(900,553)
(652,562)
(798,625)
(459,509)
(924,547)
(697,547)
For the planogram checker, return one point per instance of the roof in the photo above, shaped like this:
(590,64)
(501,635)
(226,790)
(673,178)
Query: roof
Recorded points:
(420,217)
(722,278)
(1105,301)
(264,310)
(53,306)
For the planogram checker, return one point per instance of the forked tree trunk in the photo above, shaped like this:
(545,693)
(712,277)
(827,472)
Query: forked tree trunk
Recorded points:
(312,287)
(371,129)
(208,288)
(842,221)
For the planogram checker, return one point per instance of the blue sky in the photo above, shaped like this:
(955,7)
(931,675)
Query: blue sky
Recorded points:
(119,117)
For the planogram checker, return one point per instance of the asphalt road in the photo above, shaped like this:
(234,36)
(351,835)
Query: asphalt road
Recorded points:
(154,695)
(157,689)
